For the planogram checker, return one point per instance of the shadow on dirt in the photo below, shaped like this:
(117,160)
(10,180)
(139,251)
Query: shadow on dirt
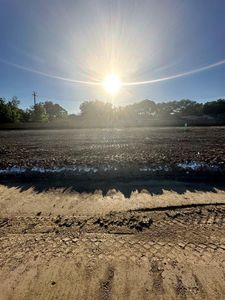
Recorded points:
(126,187)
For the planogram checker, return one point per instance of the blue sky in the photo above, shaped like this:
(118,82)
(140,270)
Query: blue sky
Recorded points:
(85,39)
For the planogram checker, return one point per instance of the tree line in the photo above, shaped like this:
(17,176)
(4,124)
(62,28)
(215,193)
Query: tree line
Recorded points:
(147,113)
(98,113)
(10,112)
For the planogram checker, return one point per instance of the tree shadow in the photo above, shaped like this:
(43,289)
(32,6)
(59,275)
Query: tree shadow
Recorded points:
(88,185)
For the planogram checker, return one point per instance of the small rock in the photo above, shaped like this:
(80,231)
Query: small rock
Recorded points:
(66,240)
(182,245)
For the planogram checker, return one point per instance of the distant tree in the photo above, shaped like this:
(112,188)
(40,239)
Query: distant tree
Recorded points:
(145,107)
(54,111)
(166,109)
(97,113)
(41,112)
(187,107)
(180,108)
(3,110)
(38,113)
(93,107)
(214,108)
(14,111)
(9,111)
(25,115)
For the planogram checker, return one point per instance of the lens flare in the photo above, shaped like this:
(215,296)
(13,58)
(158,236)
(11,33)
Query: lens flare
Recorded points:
(112,84)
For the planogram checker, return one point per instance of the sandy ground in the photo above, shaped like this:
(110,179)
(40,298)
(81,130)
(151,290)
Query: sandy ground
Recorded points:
(13,201)
(66,245)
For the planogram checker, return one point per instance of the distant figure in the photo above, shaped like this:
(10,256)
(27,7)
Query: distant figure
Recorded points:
(185,126)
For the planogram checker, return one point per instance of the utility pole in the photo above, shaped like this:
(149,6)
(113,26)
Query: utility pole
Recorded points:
(34,95)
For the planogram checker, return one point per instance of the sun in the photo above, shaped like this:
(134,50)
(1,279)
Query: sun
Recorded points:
(112,84)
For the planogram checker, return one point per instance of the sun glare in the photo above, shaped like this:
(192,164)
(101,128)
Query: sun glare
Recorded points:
(112,84)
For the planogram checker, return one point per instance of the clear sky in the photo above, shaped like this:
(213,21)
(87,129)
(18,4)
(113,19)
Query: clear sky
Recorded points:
(86,39)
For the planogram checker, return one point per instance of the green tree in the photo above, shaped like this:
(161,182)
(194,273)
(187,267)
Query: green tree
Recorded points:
(54,111)
(38,113)
(25,115)
(97,113)
(214,108)
(9,111)
(3,110)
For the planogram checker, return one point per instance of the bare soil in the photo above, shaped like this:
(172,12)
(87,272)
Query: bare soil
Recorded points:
(169,246)
(118,232)
(127,147)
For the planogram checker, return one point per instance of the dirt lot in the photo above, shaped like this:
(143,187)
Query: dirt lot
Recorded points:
(155,238)
(110,158)
(112,146)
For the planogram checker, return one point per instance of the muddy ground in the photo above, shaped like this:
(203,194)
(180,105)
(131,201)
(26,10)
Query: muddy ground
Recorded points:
(154,238)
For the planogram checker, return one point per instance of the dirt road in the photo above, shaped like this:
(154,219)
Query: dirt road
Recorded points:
(154,250)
